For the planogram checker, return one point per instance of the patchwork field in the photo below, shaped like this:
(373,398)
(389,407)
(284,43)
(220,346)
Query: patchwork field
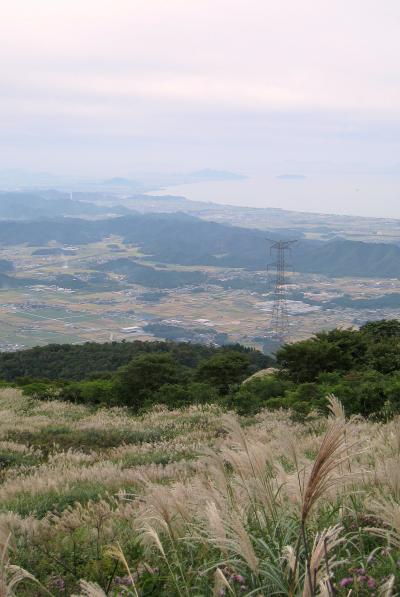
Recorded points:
(195,502)
(57,299)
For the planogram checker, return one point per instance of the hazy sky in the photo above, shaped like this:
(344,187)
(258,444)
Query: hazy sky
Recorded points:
(111,87)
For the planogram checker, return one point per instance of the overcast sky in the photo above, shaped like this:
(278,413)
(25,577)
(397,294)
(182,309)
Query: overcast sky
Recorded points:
(116,86)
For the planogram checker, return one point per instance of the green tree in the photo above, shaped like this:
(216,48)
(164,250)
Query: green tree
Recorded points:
(336,350)
(223,370)
(382,329)
(304,361)
(201,393)
(144,375)
(98,391)
(41,390)
(177,395)
(384,356)
(258,393)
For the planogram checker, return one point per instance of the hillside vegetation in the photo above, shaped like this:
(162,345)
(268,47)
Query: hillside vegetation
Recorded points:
(164,474)
(91,359)
(195,502)
(359,366)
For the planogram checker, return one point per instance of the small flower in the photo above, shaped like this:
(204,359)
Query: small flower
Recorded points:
(362,578)
(360,571)
(345,582)
(238,578)
(123,581)
(371,582)
(57,582)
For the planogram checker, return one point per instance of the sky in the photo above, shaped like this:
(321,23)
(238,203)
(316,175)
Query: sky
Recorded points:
(101,87)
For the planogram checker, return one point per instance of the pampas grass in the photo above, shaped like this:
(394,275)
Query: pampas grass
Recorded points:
(11,576)
(333,451)
(258,507)
(90,589)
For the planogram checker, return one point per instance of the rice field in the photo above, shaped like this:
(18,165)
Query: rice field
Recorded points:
(195,502)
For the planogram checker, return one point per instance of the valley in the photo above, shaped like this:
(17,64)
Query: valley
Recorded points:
(108,290)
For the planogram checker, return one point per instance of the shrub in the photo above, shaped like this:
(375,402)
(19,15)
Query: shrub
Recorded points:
(41,390)
(144,375)
(266,392)
(224,370)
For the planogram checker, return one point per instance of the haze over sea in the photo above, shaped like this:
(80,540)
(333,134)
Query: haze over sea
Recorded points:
(374,195)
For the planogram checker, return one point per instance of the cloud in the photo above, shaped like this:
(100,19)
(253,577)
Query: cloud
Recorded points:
(289,73)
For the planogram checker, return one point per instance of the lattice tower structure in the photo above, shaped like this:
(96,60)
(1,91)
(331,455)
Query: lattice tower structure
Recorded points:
(280,316)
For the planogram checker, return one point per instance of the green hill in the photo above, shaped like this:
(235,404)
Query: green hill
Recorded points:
(186,240)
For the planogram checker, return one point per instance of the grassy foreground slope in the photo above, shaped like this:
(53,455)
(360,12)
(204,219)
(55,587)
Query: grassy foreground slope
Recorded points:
(195,501)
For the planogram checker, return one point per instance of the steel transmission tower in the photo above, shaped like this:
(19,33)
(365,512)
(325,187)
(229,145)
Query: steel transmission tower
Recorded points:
(280,320)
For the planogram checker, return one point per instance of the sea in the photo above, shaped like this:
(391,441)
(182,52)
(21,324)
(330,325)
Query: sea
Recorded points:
(371,195)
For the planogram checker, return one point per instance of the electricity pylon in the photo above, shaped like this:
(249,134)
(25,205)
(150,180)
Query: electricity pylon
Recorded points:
(280,319)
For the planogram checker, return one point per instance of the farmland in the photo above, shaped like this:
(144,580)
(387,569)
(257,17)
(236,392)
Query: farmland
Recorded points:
(66,299)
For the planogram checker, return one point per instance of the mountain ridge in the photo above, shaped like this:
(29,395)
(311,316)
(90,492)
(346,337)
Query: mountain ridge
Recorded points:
(185,240)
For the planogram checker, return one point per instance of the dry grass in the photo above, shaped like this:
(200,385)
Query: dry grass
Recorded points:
(243,507)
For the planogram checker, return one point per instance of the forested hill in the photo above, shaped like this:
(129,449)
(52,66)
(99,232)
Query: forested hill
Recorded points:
(186,240)
(84,361)
(361,367)
(30,206)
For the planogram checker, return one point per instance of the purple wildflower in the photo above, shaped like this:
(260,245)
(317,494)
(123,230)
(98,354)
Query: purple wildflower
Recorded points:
(360,571)
(238,578)
(123,581)
(57,582)
(345,582)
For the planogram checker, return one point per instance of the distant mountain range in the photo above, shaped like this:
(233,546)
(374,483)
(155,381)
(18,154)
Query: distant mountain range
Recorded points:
(187,240)
(50,203)
(29,206)
(140,182)
(159,181)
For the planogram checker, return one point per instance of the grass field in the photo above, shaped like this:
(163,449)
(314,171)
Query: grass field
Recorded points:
(195,502)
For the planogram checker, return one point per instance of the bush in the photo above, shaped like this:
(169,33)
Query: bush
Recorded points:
(266,392)
(41,391)
(176,395)
(144,376)
(98,391)
(224,370)
(326,352)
